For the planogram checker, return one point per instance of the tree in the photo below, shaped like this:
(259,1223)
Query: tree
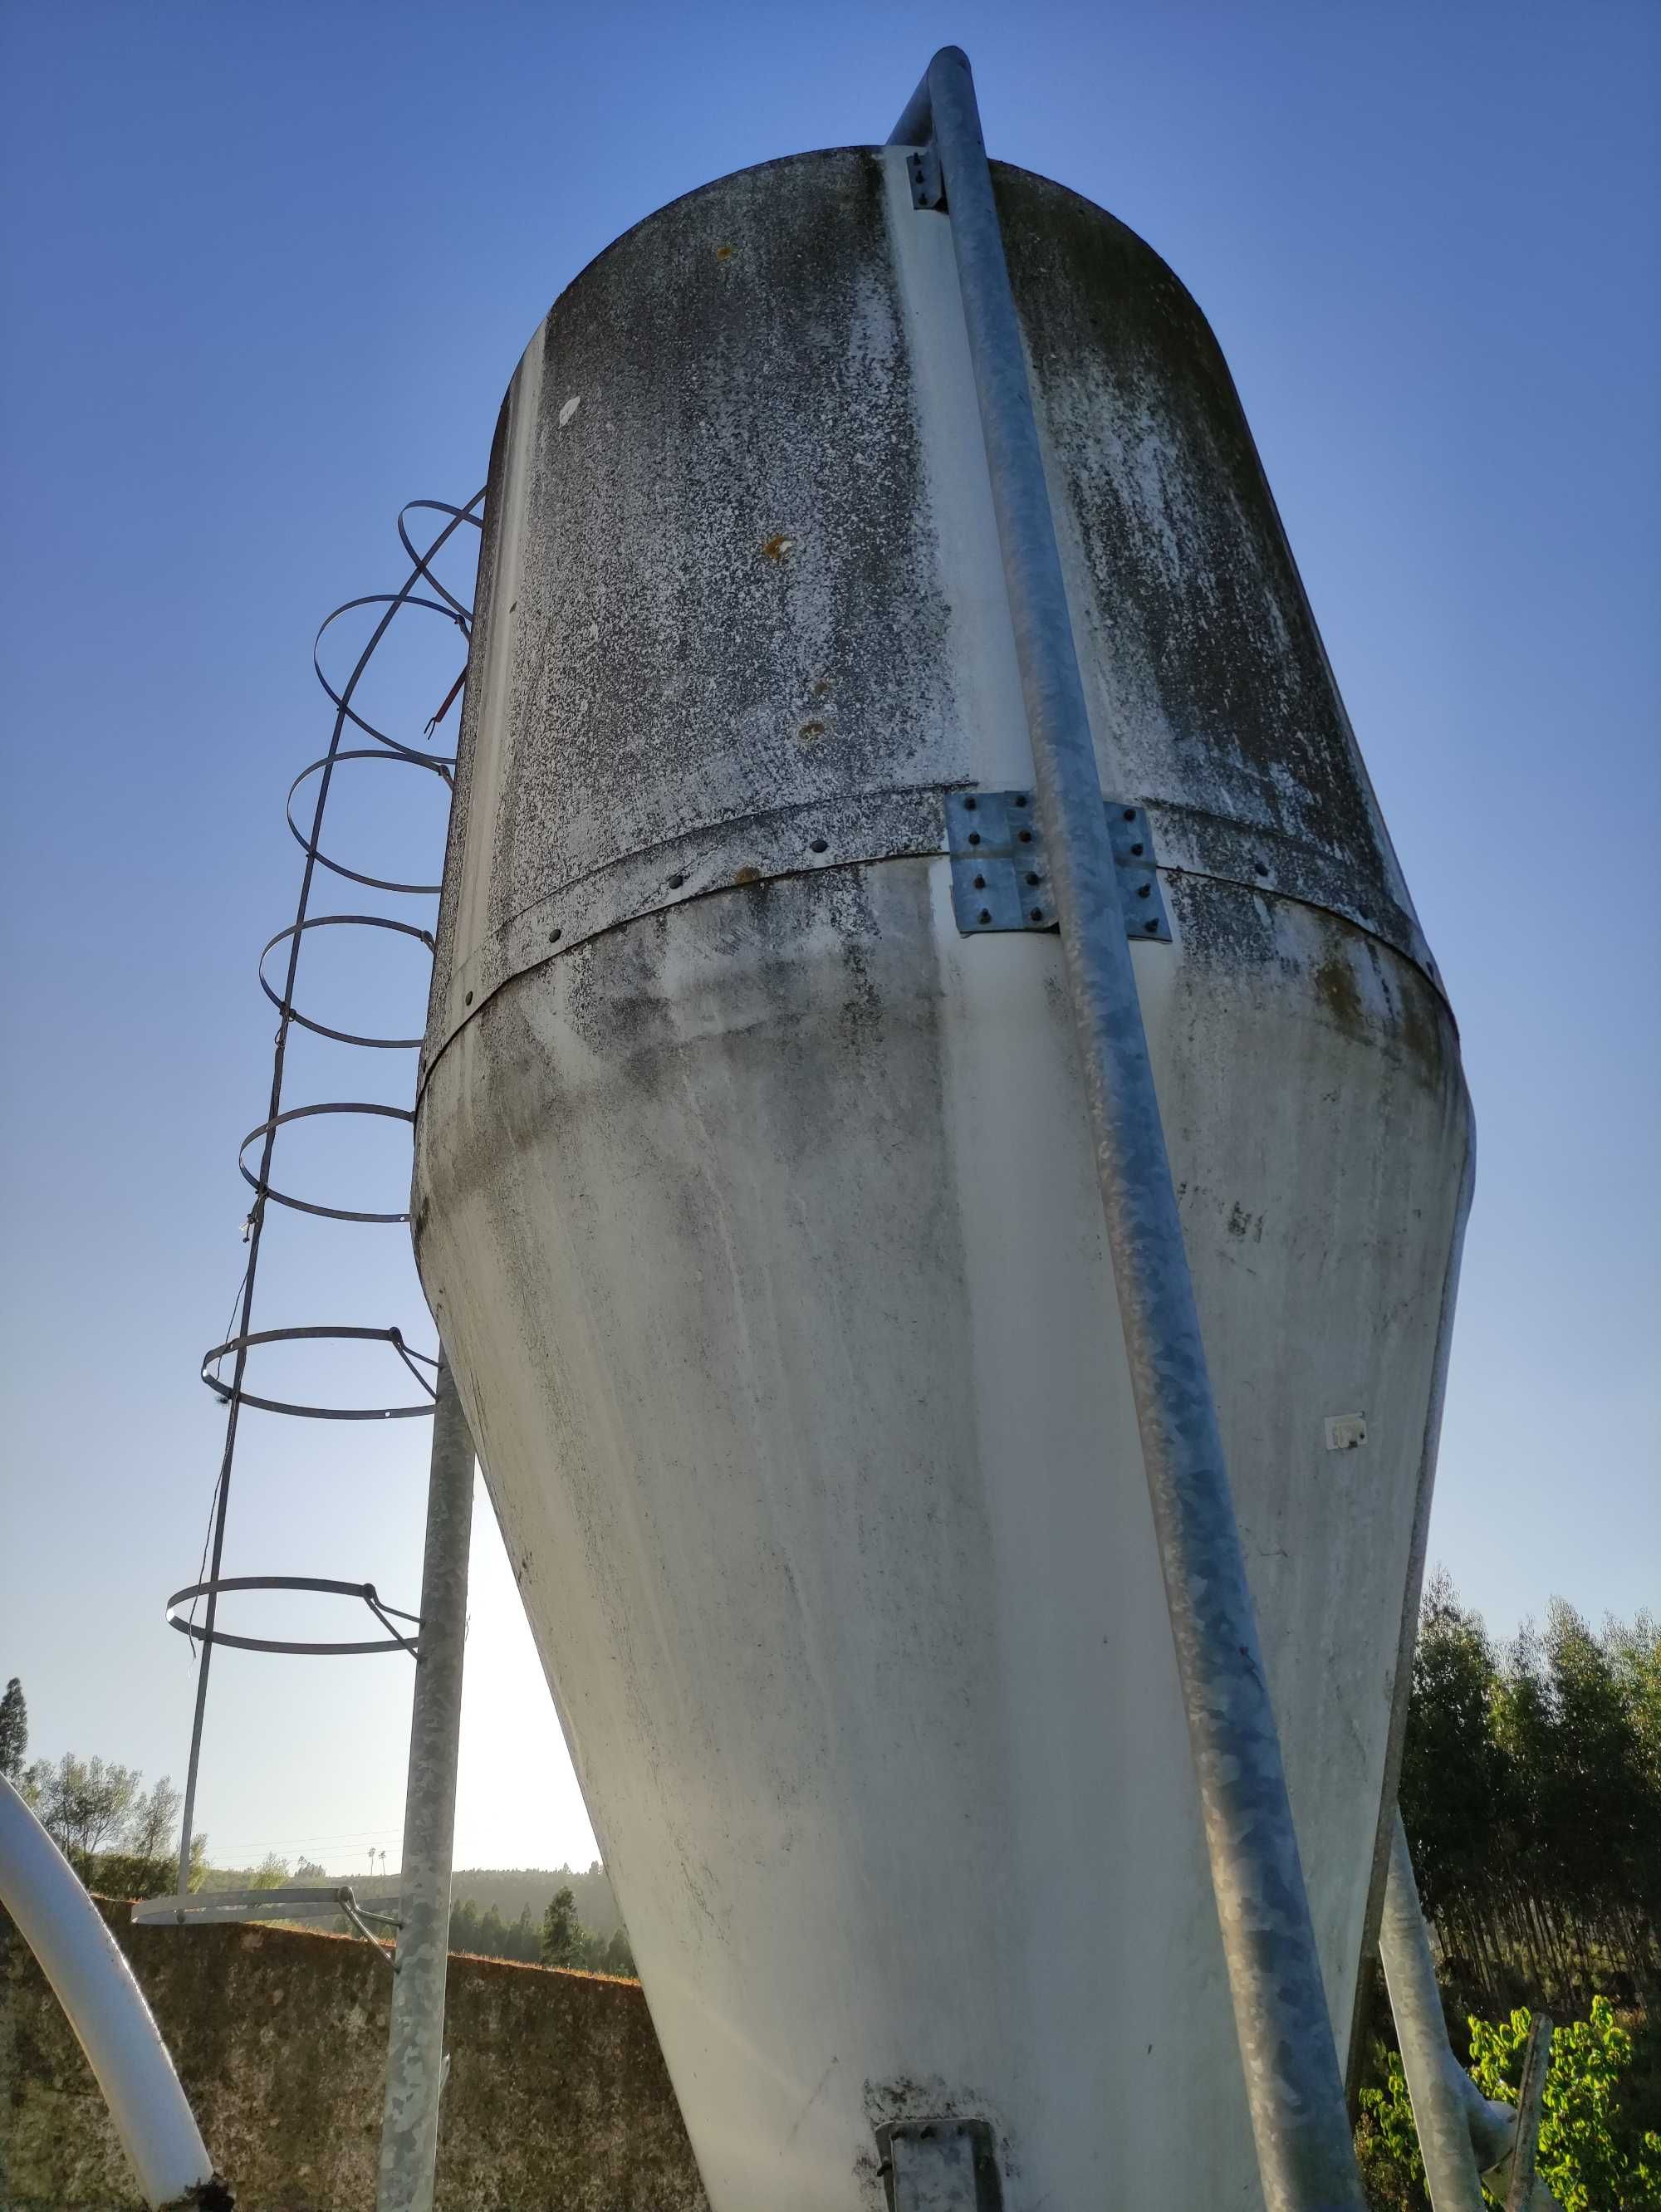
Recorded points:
(1530,1790)
(1635,1655)
(562,1931)
(150,1826)
(271,1872)
(567,1943)
(1449,1735)
(617,1957)
(14,1730)
(1593,2156)
(145,1862)
(84,1803)
(118,1835)
(1596,2153)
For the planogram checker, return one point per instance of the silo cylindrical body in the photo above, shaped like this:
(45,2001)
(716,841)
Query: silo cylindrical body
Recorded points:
(755,1200)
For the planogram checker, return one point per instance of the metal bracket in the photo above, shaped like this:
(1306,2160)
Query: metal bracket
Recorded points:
(939,2165)
(927,184)
(293,1900)
(1001,877)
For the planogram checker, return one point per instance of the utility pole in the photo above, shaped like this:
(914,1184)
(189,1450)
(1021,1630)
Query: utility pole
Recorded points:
(415,2054)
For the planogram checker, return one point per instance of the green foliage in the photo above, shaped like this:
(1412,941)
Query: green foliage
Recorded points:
(488,1935)
(1634,1654)
(618,1957)
(14,1730)
(567,1943)
(562,1935)
(1592,2158)
(1387,2142)
(562,1931)
(86,1805)
(512,1889)
(152,1827)
(133,1874)
(559,1938)
(1595,2155)
(118,1836)
(1531,1793)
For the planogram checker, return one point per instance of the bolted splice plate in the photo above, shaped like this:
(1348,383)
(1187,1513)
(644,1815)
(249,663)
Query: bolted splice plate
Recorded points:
(1001,875)
(928,189)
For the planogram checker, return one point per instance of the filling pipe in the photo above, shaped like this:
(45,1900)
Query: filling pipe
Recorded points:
(105,2008)
(1292,2079)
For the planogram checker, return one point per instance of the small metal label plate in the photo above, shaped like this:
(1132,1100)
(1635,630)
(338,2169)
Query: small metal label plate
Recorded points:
(1000,874)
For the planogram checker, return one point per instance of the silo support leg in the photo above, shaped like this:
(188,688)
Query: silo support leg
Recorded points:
(415,2056)
(1438,2104)
(1459,2129)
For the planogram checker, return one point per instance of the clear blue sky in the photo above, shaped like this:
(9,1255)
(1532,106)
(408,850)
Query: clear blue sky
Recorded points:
(267,270)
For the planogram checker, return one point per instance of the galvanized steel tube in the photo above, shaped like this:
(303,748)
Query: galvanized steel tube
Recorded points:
(1460,2130)
(415,2056)
(1290,2061)
(1439,2106)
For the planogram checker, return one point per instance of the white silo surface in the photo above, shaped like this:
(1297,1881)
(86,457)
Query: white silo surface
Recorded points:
(755,1200)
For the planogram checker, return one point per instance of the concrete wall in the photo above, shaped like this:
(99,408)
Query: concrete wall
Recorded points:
(558,2096)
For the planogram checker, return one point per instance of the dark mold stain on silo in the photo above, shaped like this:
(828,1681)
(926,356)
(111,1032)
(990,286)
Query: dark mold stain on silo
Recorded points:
(732,522)
(1215,675)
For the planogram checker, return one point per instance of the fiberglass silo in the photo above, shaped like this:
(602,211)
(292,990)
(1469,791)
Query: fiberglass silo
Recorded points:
(755,1195)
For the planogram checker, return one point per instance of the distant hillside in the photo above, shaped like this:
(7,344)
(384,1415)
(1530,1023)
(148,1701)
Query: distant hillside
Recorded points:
(512,1889)
(495,1911)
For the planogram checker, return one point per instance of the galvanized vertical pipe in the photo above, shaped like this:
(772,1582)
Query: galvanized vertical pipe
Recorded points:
(415,2054)
(1291,2074)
